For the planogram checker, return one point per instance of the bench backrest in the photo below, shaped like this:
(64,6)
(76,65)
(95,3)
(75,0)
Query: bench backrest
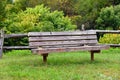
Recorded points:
(62,39)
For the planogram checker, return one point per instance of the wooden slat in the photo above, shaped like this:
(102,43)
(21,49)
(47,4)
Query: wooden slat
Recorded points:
(72,45)
(50,43)
(58,46)
(61,33)
(62,38)
(17,47)
(16,35)
(1,42)
(108,31)
(114,45)
(68,49)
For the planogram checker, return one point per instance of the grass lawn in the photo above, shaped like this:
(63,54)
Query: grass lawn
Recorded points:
(22,65)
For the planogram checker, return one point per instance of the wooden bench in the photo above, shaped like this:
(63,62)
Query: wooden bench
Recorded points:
(49,42)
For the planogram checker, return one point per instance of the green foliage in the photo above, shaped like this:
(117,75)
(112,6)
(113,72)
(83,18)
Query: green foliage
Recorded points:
(23,4)
(88,10)
(10,9)
(109,18)
(39,18)
(77,19)
(114,2)
(67,6)
(110,39)
(2,12)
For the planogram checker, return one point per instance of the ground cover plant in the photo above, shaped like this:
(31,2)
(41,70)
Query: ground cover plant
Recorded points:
(110,39)
(22,65)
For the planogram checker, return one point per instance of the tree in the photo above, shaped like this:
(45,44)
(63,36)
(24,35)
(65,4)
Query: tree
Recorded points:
(89,10)
(81,11)
(23,4)
(114,2)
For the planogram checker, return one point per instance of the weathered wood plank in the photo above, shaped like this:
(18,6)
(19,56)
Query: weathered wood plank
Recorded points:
(114,45)
(17,47)
(62,38)
(1,42)
(50,43)
(69,49)
(16,35)
(61,33)
(108,31)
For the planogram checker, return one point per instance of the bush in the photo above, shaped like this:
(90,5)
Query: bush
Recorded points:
(109,18)
(39,18)
(110,39)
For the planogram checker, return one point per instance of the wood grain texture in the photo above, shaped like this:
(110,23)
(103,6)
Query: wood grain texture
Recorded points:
(17,47)
(1,42)
(108,31)
(51,43)
(16,35)
(62,38)
(69,49)
(61,33)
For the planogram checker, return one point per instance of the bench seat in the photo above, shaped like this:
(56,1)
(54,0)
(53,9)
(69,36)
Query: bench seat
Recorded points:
(69,49)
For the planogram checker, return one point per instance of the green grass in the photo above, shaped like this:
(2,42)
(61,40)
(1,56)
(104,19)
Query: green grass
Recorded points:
(22,65)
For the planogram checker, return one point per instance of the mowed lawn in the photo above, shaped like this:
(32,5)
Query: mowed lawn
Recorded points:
(22,65)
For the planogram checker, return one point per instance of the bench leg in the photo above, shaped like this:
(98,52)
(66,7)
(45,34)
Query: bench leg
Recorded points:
(92,55)
(0,53)
(45,57)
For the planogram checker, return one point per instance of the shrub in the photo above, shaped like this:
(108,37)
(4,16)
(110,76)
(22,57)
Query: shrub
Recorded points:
(110,39)
(109,18)
(39,18)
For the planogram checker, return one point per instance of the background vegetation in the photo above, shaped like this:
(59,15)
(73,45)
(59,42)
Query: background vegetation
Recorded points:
(21,16)
(110,39)
(87,12)
(39,18)
(109,18)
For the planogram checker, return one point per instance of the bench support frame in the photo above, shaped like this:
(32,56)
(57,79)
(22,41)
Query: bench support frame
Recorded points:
(45,57)
(92,54)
